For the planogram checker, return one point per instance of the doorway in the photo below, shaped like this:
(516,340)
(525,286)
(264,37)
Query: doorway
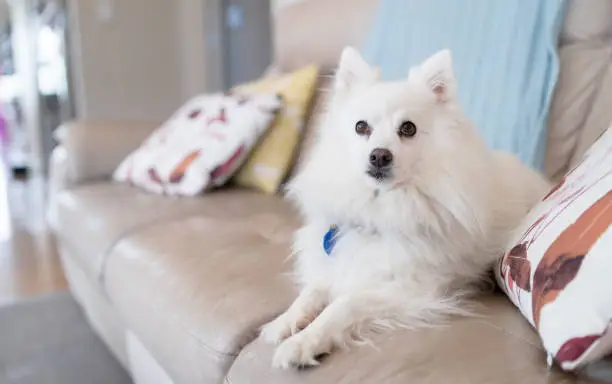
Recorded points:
(35,86)
(247,40)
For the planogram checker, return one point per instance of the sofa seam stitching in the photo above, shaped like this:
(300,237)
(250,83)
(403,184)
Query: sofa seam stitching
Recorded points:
(510,333)
(131,232)
(106,254)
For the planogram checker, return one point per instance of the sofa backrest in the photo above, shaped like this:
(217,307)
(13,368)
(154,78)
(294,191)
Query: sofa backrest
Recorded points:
(580,109)
(315,31)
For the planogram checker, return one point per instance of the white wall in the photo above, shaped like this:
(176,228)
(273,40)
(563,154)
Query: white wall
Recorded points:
(276,4)
(200,26)
(147,59)
(191,44)
(130,65)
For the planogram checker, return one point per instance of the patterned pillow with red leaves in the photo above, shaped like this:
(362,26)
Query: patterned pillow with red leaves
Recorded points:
(558,270)
(201,145)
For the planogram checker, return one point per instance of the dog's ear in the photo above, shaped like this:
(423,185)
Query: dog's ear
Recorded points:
(437,71)
(353,70)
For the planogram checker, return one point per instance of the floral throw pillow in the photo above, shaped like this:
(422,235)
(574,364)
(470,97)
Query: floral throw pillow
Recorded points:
(558,270)
(201,145)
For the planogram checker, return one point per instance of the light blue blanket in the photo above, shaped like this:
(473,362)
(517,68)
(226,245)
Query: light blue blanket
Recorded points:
(504,55)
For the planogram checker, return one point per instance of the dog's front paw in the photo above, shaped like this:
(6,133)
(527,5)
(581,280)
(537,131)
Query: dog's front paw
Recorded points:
(299,350)
(277,330)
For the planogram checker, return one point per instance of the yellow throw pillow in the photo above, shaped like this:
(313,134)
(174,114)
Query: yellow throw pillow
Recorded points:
(271,159)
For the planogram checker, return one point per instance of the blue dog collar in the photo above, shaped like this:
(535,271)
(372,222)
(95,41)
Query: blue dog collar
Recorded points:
(329,239)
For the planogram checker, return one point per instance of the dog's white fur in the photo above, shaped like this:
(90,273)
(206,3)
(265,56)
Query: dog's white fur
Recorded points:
(411,246)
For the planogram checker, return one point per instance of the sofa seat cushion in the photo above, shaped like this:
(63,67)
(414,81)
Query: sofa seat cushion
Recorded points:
(196,291)
(94,217)
(497,348)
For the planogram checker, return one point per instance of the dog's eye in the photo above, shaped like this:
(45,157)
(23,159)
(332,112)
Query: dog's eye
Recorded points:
(407,129)
(362,128)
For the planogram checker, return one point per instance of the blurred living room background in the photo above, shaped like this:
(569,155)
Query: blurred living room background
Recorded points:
(112,59)
(63,60)
(148,285)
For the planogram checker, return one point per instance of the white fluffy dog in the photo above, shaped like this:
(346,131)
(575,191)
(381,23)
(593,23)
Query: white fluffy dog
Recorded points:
(405,210)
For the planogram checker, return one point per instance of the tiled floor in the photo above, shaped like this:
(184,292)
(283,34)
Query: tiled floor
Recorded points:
(29,264)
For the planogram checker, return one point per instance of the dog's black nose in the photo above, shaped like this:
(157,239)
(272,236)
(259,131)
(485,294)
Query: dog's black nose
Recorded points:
(381,157)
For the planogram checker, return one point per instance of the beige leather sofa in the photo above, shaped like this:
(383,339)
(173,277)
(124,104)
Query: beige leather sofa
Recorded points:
(178,288)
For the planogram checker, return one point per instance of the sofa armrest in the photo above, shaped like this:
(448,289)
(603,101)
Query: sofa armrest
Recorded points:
(91,151)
